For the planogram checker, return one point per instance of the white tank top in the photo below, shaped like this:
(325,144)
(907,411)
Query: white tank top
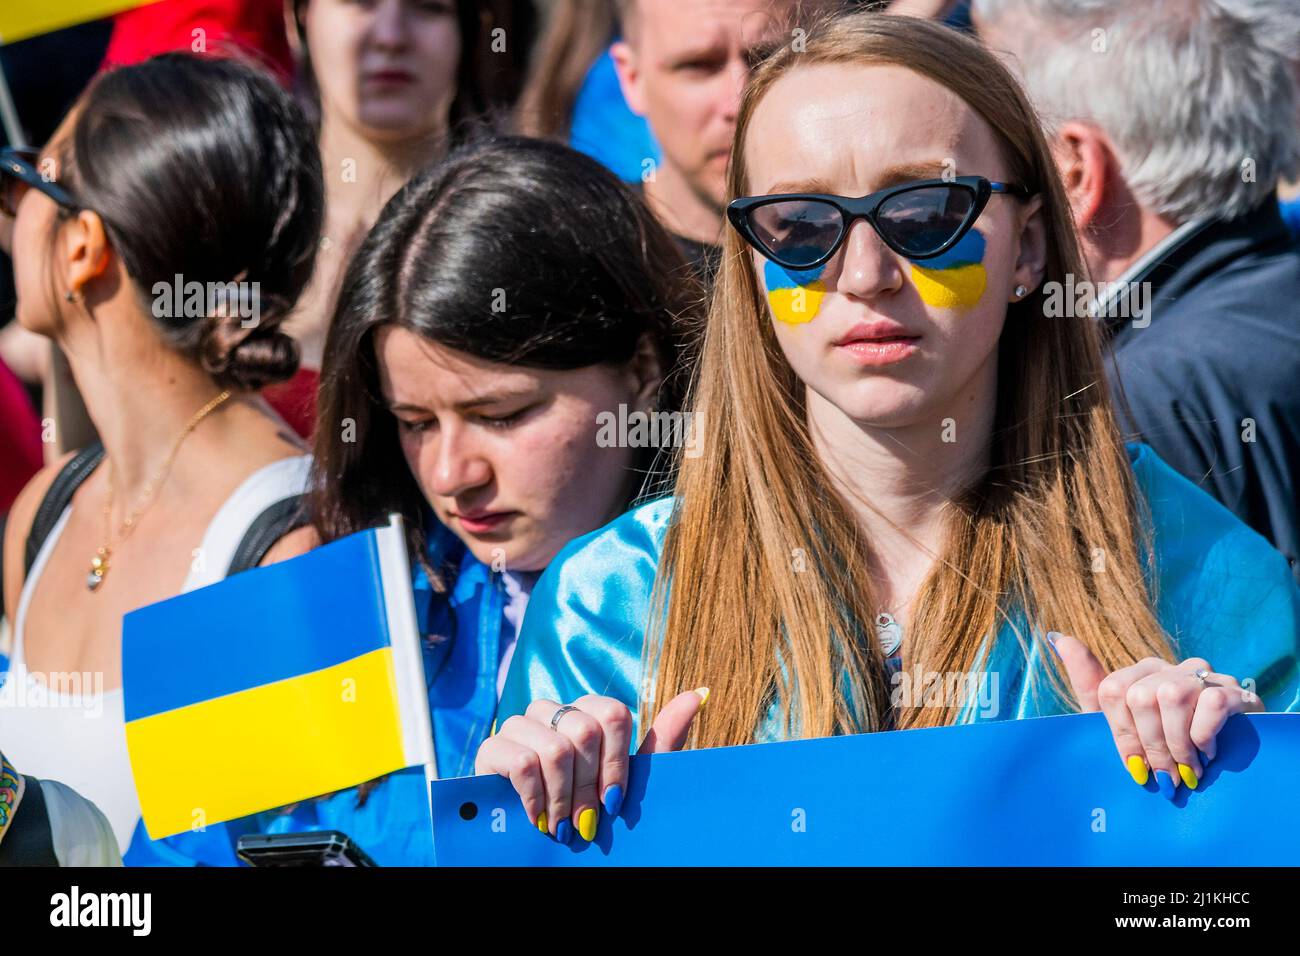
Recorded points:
(75,733)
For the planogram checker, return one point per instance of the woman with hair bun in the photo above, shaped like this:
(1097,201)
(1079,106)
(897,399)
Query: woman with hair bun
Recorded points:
(160,239)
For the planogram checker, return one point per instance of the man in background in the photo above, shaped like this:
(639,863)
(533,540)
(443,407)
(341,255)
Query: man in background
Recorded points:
(1172,127)
(682,65)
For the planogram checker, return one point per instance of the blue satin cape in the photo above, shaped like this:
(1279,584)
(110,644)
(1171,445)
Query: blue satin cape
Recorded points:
(1223,593)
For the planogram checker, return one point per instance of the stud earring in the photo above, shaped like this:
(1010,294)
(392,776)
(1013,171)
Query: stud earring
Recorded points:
(71,296)
(1020,291)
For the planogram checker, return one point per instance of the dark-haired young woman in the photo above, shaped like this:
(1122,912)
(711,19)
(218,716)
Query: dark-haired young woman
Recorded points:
(511,307)
(178,171)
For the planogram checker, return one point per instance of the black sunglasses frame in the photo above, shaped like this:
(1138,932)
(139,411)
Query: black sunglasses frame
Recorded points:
(20,164)
(865,207)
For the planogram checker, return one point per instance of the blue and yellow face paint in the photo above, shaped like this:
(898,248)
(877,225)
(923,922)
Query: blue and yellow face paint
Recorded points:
(795,295)
(956,279)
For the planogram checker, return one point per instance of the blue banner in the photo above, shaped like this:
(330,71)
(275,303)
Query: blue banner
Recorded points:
(1049,791)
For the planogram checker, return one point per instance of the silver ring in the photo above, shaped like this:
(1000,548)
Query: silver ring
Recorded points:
(555,718)
(1201,674)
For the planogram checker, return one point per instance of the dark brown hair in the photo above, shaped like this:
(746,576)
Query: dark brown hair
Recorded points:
(514,250)
(576,34)
(204,168)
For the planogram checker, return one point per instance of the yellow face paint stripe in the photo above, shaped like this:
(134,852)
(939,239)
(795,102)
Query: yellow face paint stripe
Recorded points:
(799,304)
(795,295)
(261,748)
(958,288)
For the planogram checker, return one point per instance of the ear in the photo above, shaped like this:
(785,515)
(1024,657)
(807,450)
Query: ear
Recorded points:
(647,372)
(627,64)
(291,29)
(86,252)
(1085,159)
(1031,260)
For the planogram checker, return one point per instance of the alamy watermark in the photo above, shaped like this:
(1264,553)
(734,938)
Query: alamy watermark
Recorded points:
(917,688)
(1110,300)
(654,429)
(181,299)
(56,690)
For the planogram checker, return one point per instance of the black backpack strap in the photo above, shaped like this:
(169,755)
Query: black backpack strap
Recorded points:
(287,514)
(62,489)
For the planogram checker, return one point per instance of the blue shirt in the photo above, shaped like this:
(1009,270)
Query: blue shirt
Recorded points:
(605,128)
(1222,593)
(464,630)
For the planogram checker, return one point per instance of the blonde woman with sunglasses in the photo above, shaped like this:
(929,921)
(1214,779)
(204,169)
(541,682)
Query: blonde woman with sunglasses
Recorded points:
(909,467)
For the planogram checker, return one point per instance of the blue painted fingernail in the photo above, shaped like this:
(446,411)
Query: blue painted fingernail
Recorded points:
(1051,642)
(1204,759)
(1165,781)
(613,799)
(564,832)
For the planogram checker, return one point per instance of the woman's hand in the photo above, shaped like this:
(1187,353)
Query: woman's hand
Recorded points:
(1164,716)
(559,766)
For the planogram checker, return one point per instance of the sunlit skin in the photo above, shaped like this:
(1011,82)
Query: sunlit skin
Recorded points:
(387,67)
(831,128)
(507,456)
(683,67)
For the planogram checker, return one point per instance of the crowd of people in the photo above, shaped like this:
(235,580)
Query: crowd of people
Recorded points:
(978,321)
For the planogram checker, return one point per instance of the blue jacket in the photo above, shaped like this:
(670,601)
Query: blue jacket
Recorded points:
(1222,593)
(463,632)
(1212,381)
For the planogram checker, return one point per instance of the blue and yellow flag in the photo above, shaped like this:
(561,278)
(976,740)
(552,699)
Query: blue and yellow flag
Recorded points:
(276,685)
(20,19)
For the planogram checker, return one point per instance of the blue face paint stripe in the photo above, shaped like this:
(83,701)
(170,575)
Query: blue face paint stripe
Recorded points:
(779,277)
(969,251)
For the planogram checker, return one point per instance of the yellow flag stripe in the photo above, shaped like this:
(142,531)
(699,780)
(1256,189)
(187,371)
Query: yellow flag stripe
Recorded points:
(20,19)
(272,745)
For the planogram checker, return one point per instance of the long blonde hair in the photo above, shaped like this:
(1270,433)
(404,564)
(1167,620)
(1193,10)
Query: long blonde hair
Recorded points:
(1053,534)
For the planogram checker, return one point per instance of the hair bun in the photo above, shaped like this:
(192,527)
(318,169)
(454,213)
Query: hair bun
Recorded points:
(247,357)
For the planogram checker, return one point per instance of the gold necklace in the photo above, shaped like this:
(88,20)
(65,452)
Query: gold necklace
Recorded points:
(99,563)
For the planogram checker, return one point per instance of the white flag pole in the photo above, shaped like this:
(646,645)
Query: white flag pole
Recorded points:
(404,633)
(9,112)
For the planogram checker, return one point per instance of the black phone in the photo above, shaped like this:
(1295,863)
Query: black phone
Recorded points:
(314,848)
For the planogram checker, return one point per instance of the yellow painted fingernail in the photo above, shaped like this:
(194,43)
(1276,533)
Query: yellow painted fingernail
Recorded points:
(541,822)
(1137,769)
(587,823)
(704,695)
(1189,778)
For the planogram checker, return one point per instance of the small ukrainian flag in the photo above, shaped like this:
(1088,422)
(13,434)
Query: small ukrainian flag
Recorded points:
(20,19)
(276,685)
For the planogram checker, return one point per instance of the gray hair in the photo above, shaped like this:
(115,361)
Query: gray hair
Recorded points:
(1197,96)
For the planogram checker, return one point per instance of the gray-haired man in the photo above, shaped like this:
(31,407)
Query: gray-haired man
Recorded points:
(1172,124)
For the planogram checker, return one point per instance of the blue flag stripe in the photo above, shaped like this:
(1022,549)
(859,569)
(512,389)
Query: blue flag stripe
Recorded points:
(214,641)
